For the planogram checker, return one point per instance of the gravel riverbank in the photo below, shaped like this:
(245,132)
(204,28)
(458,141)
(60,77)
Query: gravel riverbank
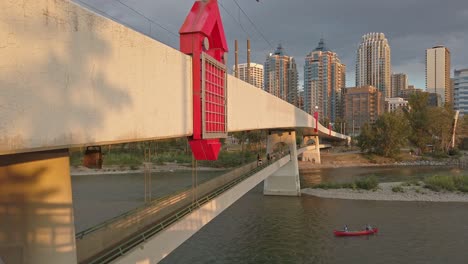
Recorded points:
(385,193)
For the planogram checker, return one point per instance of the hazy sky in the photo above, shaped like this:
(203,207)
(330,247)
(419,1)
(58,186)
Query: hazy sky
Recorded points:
(411,26)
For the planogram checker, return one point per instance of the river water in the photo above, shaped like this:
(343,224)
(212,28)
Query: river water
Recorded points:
(97,198)
(271,229)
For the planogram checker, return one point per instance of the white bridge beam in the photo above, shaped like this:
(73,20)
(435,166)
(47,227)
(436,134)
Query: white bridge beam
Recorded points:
(70,77)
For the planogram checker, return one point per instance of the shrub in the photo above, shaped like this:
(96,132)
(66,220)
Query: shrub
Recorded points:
(398,189)
(454,152)
(369,183)
(438,183)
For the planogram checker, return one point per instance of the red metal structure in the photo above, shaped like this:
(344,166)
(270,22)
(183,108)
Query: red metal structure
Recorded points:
(202,37)
(316,116)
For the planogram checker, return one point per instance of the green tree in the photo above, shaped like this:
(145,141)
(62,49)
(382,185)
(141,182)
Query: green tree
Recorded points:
(391,134)
(386,136)
(367,138)
(462,132)
(441,127)
(419,121)
(253,139)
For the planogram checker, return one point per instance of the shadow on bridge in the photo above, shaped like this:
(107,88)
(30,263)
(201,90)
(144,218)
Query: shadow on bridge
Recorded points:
(35,226)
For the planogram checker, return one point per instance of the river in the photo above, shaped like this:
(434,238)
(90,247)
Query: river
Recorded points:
(272,229)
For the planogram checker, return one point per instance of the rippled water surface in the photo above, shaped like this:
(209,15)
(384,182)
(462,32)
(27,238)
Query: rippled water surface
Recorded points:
(97,198)
(271,229)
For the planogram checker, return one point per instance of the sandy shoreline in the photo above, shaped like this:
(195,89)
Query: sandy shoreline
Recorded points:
(385,193)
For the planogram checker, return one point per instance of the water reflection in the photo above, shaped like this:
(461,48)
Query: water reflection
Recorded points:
(269,229)
(97,198)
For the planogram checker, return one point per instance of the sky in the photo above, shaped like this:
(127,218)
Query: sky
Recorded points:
(411,26)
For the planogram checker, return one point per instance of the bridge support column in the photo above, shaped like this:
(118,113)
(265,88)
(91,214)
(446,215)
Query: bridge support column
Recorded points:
(284,181)
(36,210)
(314,154)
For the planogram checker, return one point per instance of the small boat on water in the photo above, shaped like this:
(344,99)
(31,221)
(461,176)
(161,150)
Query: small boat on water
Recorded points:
(355,233)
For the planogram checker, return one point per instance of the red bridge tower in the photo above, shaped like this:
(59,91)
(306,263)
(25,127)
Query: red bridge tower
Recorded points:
(202,37)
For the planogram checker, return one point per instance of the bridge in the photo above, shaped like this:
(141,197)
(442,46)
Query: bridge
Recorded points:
(72,78)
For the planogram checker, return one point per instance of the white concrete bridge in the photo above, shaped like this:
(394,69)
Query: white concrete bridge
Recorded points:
(70,77)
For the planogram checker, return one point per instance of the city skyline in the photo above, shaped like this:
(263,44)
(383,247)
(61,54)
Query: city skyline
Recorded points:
(409,37)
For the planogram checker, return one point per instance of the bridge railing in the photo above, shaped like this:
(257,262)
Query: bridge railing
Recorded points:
(135,240)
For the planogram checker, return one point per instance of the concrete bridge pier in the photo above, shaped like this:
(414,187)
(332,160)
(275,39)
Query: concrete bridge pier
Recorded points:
(284,181)
(312,155)
(36,210)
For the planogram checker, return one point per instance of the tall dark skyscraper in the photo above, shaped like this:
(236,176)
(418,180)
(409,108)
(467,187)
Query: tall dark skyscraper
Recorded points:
(324,77)
(281,77)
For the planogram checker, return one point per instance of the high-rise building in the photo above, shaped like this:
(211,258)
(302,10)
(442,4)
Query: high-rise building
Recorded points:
(394,103)
(256,74)
(324,77)
(280,76)
(405,94)
(300,99)
(460,94)
(373,64)
(399,83)
(361,105)
(438,72)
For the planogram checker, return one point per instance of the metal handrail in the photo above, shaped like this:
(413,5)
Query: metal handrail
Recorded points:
(87,231)
(123,248)
(83,233)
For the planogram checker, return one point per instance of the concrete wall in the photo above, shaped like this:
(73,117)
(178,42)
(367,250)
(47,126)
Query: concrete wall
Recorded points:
(69,77)
(112,233)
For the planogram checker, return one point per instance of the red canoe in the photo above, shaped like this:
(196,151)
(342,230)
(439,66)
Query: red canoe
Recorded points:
(355,233)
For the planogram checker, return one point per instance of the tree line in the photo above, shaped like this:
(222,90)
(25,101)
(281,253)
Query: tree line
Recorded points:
(420,126)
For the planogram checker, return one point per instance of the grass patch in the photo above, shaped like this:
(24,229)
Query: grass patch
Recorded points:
(369,183)
(417,190)
(126,159)
(447,183)
(398,189)
(329,185)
